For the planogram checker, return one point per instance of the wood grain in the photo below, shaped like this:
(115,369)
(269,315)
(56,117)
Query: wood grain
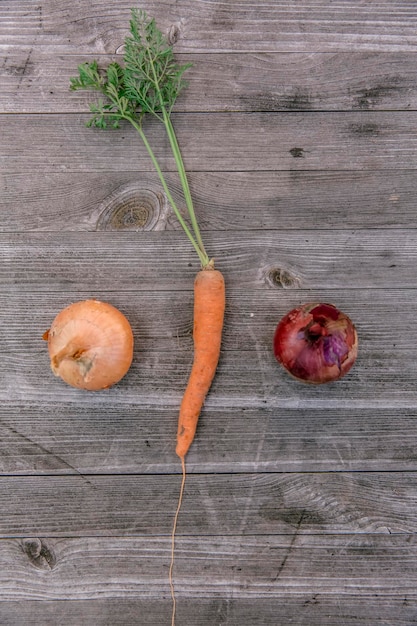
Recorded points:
(71,437)
(250,319)
(104,593)
(263,141)
(219,505)
(246,380)
(37,81)
(224,201)
(108,261)
(303,609)
(218,26)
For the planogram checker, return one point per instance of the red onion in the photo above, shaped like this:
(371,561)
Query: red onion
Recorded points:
(316,343)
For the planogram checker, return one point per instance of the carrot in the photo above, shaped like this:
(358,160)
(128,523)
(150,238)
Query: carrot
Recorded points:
(209,304)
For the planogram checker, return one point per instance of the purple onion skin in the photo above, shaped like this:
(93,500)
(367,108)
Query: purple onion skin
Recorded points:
(316,343)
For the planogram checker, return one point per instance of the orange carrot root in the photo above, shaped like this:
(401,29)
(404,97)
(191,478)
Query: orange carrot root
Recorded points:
(209,305)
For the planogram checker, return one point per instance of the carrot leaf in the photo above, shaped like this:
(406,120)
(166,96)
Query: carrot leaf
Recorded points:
(149,82)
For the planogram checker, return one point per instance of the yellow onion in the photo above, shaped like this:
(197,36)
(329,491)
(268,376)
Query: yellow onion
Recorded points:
(90,345)
(316,343)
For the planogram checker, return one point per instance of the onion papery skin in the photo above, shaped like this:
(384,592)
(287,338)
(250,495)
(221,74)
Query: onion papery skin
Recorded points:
(90,345)
(316,343)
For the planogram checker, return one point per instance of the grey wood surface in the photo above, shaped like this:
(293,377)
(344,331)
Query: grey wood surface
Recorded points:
(225,81)
(299,132)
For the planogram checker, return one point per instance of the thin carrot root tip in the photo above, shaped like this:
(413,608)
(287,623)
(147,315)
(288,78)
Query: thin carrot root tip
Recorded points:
(174,529)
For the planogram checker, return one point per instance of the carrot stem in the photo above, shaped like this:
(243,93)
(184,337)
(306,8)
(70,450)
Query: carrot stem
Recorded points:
(202,255)
(166,119)
(184,180)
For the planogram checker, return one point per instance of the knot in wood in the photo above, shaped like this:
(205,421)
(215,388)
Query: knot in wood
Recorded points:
(175,31)
(279,277)
(131,208)
(39,554)
(297,153)
(131,214)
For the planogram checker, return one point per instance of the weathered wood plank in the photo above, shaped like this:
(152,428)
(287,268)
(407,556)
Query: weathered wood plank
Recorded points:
(303,569)
(224,201)
(212,26)
(219,505)
(300,609)
(35,81)
(96,597)
(52,437)
(162,320)
(109,261)
(296,141)
(245,380)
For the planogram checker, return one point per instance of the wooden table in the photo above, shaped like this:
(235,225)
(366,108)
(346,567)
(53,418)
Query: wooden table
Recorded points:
(298,130)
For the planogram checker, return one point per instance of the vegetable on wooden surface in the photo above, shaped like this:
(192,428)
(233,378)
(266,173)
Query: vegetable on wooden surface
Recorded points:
(209,305)
(90,345)
(148,83)
(316,343)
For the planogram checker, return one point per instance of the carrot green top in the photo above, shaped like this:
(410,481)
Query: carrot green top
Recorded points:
(148,83)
